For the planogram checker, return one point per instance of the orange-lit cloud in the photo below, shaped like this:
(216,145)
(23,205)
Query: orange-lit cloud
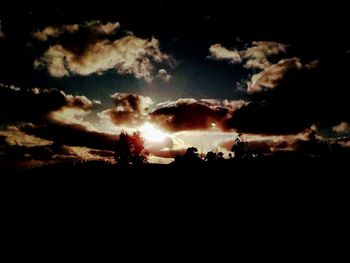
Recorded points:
(255,56)
(342,128)
(191,114)
(36,104)
(130,110)
(92,27)
(71,135)
(55,31)
(98,52)
(14,136)
(272,76)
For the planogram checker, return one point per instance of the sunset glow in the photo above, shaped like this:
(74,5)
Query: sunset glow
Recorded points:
(152,133)
(78,82)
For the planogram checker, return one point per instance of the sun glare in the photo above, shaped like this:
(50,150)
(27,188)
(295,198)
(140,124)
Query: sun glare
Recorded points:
(152,133)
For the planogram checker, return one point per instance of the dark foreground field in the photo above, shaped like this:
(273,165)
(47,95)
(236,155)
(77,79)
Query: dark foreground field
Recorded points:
(253,200)
(328,175)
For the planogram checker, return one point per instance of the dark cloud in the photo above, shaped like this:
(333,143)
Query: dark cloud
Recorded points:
(129,110)
(168,153)
(14,136)
(272,76)
(20,156)
(306,144)
(53,119)
(289,97)
(36,104)
(261,147)
(191,114)
(49,117)
(71,135)
(93,48)
(102,153)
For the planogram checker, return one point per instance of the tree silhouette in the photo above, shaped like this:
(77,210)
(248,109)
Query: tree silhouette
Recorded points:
(191,156)
(129,149)
(241,150)
(238,147)
(211,157)
(220,156)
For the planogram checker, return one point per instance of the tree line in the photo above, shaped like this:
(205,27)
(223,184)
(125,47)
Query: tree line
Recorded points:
(129,149)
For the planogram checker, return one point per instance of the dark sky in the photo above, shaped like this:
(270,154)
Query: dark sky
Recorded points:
(185,31)
(266,69)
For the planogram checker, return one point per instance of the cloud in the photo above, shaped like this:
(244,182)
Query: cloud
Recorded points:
(55,31)
(94,48)
(71,135)
(219,52)
(23,156)
(102,153)
(128,55)
(58,120)
(46,118)
(102,28)
(129,110)
(191,114)
(304,142)
(265,146)
(257,54)
(68,115)
(168,154)
(166,150)
(163,74)
(342,128)
(15,137)
(272,76)
(253,57)
(94,27)
(258,147)
(159,160)
(289,97)
(36,104)
(29,157)
(87,154)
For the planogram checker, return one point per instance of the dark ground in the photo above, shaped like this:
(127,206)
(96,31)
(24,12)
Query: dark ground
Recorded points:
(293,177)
(269,208)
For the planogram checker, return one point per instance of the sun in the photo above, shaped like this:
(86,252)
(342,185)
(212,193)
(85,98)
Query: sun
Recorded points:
(152,133)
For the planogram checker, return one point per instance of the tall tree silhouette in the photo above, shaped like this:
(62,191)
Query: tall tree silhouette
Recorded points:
(238,147)
(129,149)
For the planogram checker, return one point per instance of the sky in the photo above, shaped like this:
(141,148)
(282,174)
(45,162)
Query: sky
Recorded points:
(73,77)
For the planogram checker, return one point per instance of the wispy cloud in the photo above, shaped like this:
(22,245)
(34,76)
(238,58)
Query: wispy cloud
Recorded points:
(255,56)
